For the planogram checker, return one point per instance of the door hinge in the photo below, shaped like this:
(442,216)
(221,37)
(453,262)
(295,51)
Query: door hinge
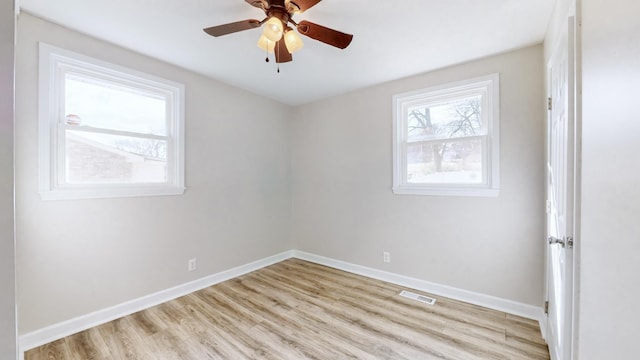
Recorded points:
(549,104)
(565,242)
(546,307)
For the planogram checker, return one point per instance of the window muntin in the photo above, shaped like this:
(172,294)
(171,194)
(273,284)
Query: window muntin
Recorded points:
(107,131)
(446,139)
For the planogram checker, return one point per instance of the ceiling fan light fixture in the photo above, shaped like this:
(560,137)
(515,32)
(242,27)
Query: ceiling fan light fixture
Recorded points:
(292,40)
(273,29)
(277,36)
(266,45)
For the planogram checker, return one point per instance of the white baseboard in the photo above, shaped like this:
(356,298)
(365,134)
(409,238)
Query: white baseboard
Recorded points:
(57,331)
(488,301)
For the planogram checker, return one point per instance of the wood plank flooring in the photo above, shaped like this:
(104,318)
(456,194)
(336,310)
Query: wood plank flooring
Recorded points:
(300,310)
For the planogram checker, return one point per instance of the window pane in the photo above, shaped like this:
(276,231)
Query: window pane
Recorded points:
(455,162)
(106,105)
(112,159)
(455,118)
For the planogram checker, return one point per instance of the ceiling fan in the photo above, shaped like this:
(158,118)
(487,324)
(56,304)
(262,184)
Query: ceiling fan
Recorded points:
(278,37)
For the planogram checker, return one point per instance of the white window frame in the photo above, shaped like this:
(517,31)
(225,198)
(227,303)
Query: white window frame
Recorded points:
(53,63)
(489,87)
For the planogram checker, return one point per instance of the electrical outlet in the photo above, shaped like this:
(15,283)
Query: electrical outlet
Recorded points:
(192,264)
(386,257)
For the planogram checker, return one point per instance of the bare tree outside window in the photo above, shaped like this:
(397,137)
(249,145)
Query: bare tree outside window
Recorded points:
(438,140)
(150,148)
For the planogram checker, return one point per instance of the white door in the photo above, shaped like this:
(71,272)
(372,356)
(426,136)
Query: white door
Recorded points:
(560,196)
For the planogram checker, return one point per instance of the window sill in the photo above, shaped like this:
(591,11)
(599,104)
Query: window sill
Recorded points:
(114,192)
(446,191)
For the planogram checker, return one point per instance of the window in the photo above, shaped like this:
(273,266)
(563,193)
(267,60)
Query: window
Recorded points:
(446,139)
(107,131)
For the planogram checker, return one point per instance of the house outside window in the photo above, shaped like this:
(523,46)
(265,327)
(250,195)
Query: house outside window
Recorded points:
(107,131)
(446,139)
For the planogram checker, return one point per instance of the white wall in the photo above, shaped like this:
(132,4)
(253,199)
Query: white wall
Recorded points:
(75,257)
(610,244)
(344,209)
(7,249)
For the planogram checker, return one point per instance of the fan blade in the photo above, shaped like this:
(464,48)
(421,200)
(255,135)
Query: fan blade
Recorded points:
(282,54)
(324,34)
(304,4)
(256,3)
(232,27)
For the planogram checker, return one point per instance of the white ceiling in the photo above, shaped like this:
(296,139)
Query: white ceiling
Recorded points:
(392,39)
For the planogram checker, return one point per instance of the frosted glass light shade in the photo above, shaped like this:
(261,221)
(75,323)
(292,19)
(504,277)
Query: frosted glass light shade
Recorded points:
(273,29)
(293,41)
(266,44)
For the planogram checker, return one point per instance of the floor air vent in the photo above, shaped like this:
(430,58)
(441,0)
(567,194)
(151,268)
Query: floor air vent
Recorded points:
(421,298)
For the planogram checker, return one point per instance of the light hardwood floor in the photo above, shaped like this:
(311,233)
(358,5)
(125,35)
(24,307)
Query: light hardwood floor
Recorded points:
(300,310)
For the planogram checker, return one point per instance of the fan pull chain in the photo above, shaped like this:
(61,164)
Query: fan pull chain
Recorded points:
(276,52)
